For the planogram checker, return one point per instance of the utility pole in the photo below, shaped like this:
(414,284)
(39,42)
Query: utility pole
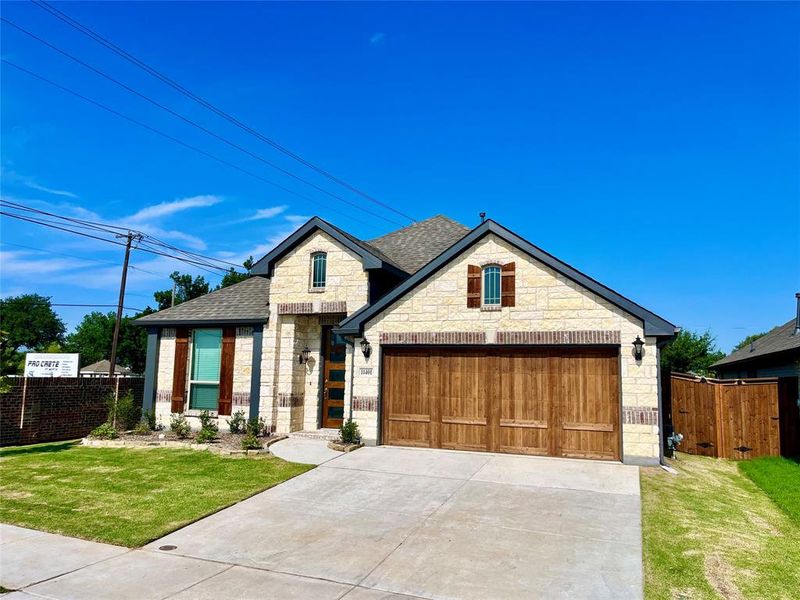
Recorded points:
(130,236)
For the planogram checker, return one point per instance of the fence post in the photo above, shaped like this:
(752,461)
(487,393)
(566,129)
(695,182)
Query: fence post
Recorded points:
(22,410)
(719,425)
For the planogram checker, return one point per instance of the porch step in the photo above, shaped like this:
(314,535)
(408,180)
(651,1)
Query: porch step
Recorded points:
(329,435)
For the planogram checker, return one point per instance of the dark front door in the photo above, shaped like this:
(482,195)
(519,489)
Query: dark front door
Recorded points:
(333,379)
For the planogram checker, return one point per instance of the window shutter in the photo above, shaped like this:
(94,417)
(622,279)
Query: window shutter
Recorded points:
(473,286)
(179,369)
(508,284)
(226,371)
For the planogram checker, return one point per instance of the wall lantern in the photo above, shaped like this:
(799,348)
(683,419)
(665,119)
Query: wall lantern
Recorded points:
(366,347)
(638,345)
(304,355)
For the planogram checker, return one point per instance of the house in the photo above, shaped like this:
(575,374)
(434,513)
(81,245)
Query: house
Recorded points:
(100,369)
(434,335)
(775,354)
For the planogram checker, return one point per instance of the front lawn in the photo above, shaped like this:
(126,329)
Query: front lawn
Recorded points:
(710,532)
(125,496)
(779,478)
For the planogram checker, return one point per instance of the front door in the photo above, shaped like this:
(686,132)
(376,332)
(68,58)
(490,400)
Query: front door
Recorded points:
(333,379)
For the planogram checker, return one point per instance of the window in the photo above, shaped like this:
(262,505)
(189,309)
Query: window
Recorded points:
(319,269)
(491,286)
(205,368)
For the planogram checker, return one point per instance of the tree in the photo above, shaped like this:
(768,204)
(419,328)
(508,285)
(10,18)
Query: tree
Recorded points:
(93,335)
(748,340)
(691,352)
(29,323)
(186,288)
(234,276)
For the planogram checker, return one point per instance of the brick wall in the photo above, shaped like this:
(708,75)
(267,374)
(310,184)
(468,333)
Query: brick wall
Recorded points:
(57,408)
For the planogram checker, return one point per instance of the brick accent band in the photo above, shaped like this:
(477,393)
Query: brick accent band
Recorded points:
(589,336)
(427,337)
(295,308)
(244,331)
(369,403)
(289,400)
(639,415)
(164,396)
(339,306)
(241,398)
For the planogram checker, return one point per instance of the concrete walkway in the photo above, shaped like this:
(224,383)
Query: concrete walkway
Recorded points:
(305,451)
(378,523)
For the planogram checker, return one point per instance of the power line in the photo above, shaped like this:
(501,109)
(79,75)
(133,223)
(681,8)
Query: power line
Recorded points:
(190,121)
(105,227)
(102,239)
(97,306)
(97,260)
(208,105)
(175,140)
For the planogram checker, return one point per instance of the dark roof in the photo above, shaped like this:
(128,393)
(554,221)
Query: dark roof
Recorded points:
(101,366)
(653,324)
(415,246)
(371,258)
(780,339)
(243,302)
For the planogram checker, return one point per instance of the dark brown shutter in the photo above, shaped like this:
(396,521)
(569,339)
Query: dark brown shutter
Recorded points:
(473,286)
(507,284)
(179,370)
(226,370)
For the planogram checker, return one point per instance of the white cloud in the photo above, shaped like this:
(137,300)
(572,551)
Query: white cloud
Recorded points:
(165,209)
(377,38)
(263,213)
(297,219)
(31,183)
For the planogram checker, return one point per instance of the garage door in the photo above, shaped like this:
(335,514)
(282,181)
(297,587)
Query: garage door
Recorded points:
(545,401)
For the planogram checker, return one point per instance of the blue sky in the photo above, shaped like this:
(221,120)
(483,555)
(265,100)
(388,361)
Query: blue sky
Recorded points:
(653,146)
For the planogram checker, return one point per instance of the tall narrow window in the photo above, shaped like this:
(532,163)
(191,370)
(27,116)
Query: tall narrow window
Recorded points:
(205,369)
(319,269)
(491,285)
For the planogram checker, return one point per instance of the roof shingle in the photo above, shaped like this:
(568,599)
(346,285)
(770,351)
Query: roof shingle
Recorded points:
(246,301)
(780,339)
(412,247)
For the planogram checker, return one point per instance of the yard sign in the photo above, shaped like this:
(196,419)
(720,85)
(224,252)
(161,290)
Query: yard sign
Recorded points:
(51,365)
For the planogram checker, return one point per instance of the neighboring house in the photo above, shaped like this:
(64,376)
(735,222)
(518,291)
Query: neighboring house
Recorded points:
(434,335)
(100,369)
(776,354)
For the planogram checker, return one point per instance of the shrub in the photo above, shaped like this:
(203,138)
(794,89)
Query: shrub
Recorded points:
(142,428)
(237,422)
(105,431)
(208,422)
(180,426)
(206,435)
(150,417)
(251,442)
(124,412)
(349,432)
(256,426)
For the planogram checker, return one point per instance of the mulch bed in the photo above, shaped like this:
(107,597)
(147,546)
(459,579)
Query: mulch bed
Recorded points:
(224,441)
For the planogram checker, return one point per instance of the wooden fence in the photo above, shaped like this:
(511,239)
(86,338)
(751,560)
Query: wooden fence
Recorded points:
(739,418)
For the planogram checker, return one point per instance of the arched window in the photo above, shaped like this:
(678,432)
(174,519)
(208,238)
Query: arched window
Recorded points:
(491,285)
(319,268)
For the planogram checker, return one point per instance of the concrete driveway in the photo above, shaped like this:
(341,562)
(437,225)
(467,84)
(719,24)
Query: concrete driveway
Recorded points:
(412,522)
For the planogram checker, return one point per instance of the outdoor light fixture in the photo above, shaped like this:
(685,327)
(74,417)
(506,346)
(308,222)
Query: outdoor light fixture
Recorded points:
(638,345)
(304,355)
(366,347)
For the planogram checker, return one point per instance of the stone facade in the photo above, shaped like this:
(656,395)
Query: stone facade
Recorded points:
(290,391)
(549,309)
(545,302)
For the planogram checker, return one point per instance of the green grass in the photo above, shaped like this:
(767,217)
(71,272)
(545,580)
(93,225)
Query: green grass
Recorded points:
(779,478)
(710,532)
(125,496)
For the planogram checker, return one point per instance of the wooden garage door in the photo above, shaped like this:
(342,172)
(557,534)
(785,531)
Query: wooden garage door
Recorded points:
(546,401)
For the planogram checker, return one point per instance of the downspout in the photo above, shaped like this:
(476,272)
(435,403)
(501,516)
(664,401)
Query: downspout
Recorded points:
(661,432)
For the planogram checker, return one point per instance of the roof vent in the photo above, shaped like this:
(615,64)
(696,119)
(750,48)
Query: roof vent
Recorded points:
(797,318)
(483,217)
